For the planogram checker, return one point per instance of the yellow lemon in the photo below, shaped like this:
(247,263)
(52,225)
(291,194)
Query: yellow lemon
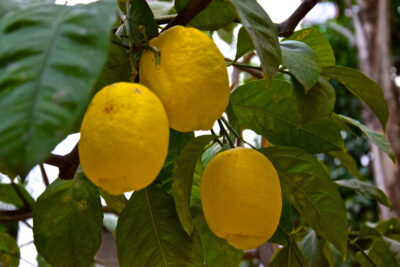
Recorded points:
(124,138)
(191,79)
(241,197)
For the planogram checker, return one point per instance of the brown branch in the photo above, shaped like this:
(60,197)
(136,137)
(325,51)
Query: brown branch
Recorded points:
(7,216)
(251,254)
(67,164)
(286,28)
(187,14)
(21,196)
(44,174)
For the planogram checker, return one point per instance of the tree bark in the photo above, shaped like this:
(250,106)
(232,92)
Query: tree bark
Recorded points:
(372,29)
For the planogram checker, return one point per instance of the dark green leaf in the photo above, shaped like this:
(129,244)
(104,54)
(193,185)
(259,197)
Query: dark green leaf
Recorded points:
(9,195)
(149,233)
(383,251)
(4,169)
(362,87)
(226,33)
(218,14)
(115,203)
(41,261)
(273,112)
(289,256)
(217,252)
(318,103)
(375,137)
(263,33)
(316,251)
(117,67)
(347,162)
(10,5)
(244,43)
(390,228)
(177,142)
(318,43)
(67,222)
(9,251)
(45,83)
(301,61)
(307,186)
(366,190)
(183,179)
(285,224)
(142,26)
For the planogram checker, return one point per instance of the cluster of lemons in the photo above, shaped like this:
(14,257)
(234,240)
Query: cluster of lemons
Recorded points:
(125,135)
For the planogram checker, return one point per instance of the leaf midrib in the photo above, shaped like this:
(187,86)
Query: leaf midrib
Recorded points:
(155,227)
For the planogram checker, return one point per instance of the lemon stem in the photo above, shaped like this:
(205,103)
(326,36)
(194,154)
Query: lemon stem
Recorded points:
(216,137)
(223,130)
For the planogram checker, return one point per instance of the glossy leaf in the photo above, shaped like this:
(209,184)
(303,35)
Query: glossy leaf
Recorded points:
(289,256)
(218,14)
(67,222)
(285,224)
(9,195)
(273,112)
(9,251)
(307,186)
(375,137)
(390,228)
(244,43)
(115,203)
(183,179)
(149,233)
(142,25)
(318,43)
(263,33)
(383,251)
(45,83)
(301,61)
(366,190)
(161,8)
(217,252)
(362,87)
(348,162)
(317,252)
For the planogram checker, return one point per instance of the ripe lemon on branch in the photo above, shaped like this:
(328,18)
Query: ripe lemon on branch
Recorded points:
(241,197)
(191,78)
(124,138)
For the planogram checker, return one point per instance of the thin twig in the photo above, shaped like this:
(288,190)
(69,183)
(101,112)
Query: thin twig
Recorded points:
(354,244)
(216,137)
(165,19)
(12,216)
(286,28)
(223,130)
(27,206)
(186,15)
(44,174)
(252,70)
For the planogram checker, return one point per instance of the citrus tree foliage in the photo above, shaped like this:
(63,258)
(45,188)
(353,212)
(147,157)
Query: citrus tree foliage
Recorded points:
(53,58)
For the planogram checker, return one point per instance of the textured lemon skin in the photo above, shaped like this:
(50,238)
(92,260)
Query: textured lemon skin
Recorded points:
(191,79)
(241,197)
(124,138)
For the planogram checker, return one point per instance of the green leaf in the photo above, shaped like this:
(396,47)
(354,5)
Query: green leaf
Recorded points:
(288,256)
(307,186)
(9,251)
(367,190)
(383,251)
(377,138)
(273,112)
(285,224)
(142,26)
(67,222)
(316,251)
(218,14)
(161,8)
(10,5)
(149,233)
(45,83)
(362,87)
(183,179)
(263,33)
(115,203)
(244,43)
(318,103)
(226,33)
(301,61)
(177,142)
(318,43)
(217,252)
(9,195)
(117,67)
(348,162)
(41,261)
(390,228)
